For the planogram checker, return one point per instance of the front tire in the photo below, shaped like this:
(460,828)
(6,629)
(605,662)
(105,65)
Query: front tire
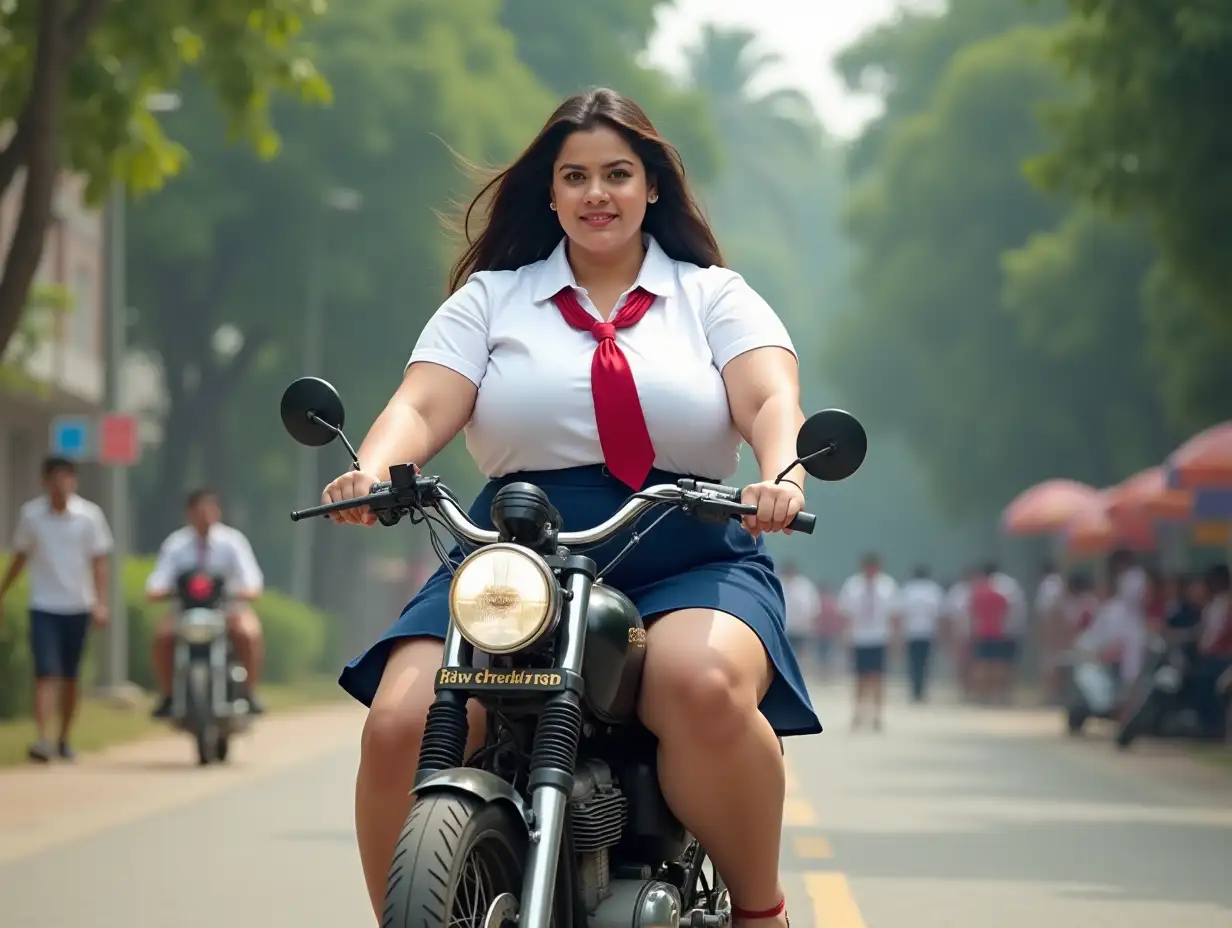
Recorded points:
(455,855)
(200,713)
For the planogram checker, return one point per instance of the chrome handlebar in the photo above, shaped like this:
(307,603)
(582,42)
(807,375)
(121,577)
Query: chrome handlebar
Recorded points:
(426,492)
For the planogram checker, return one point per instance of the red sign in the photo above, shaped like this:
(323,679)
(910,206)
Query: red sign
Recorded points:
(118,442)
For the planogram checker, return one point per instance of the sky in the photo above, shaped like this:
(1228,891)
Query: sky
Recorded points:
(807,33)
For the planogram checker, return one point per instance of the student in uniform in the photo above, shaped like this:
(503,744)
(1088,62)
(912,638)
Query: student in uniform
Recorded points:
(64,540)
(868,601)
(921,601)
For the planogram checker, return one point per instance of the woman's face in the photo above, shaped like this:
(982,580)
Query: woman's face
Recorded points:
(600,190)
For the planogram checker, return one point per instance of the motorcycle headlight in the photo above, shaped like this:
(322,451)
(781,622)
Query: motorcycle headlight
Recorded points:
(200,626)
(503,598)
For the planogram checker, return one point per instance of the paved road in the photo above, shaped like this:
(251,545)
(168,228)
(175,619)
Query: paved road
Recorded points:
(948,818)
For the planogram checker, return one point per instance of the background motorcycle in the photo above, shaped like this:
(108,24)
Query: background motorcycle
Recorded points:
(1159,702)
(558,820)
(207,691)
(1091,689)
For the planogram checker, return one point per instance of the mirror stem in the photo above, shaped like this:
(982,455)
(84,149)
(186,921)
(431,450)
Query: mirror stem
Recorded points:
(313,417)
(808,457)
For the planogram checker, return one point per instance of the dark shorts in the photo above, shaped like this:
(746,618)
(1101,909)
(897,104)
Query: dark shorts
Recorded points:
(683,563)
(994,650)
(57,642)
(868,659)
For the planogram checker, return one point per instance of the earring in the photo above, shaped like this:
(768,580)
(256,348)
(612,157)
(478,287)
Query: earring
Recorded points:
(552,204)
(653,198)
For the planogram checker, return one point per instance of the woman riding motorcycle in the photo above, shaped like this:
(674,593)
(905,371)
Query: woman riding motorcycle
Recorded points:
(594,343)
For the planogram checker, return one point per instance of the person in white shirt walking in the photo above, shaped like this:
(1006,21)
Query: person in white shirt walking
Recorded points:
(867,601)
(920,604)
(207,545)
(803,604)
(64,540)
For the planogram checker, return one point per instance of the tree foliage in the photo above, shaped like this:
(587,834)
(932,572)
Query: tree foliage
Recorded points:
(1003,336)
(1148,138)
(237,246)
(75,78)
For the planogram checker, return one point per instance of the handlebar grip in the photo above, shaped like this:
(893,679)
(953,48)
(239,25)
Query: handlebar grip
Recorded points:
(322,510)
(803,522)
(377,494)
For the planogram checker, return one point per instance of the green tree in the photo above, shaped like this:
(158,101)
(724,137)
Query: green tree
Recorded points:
(902,61)
(1077,293)
(74,80)
(1147,138)
(573,46)
(234,242)
(929,348)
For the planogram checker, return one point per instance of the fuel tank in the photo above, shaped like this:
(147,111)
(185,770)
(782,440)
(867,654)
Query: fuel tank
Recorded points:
(615,652)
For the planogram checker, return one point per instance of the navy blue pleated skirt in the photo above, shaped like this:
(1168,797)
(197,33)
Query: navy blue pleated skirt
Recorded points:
(683,563)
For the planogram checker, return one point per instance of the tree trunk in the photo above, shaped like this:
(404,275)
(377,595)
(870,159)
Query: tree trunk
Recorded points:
(39,142)
(36,146)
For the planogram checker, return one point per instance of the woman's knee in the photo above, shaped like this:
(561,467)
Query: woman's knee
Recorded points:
(705,675)
(395,723)
(394,728)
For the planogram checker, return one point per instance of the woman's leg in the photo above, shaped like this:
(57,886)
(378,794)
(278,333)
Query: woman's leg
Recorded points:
(389,754)
(720,766)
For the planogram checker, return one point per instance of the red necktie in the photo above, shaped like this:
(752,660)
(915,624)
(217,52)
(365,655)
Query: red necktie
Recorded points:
(623,435)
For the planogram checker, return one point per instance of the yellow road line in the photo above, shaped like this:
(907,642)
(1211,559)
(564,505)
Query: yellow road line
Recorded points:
(813,847)
(833,904)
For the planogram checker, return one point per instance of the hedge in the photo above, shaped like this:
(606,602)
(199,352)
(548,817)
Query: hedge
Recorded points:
(295,639)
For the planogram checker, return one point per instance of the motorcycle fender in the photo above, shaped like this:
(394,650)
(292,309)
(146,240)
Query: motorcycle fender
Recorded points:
(481,784)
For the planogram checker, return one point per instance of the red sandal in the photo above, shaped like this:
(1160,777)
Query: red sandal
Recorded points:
(749,915)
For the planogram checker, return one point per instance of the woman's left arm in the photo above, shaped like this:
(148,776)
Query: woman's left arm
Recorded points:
(763,391)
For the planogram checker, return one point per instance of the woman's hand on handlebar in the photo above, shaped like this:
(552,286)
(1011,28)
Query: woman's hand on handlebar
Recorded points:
(777,504)
(351,485)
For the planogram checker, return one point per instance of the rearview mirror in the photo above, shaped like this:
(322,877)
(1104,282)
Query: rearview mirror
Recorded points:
(312,412)
(831,445)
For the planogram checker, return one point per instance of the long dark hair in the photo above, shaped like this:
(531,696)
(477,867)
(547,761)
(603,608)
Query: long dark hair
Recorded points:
(519,226)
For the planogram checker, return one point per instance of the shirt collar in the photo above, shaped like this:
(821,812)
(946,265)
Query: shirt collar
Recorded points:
(658,273)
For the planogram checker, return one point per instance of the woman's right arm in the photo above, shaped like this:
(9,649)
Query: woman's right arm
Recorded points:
(433,403)
(430,407)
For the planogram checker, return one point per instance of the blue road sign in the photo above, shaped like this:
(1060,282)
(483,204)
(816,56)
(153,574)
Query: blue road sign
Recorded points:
(70,437)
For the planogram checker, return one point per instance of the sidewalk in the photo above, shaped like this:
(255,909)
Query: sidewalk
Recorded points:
(41,807)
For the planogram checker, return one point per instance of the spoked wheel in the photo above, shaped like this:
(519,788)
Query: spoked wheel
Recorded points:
(456,856)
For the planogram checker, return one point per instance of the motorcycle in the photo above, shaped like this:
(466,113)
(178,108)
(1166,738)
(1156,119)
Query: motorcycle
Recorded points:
(558,820)
(207,692)
(1091,689)
(1156,703)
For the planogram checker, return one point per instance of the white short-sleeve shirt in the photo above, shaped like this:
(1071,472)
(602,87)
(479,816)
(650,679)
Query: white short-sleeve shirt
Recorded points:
(535,411)
(61,548)
(920,603)
(868,605)
(803,604)
(224,551)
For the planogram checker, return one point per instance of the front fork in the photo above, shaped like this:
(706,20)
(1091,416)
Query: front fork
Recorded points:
(555,749)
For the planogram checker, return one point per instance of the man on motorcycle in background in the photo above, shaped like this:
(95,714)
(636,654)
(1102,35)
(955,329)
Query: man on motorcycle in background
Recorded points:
(1130,589)
(205,544)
